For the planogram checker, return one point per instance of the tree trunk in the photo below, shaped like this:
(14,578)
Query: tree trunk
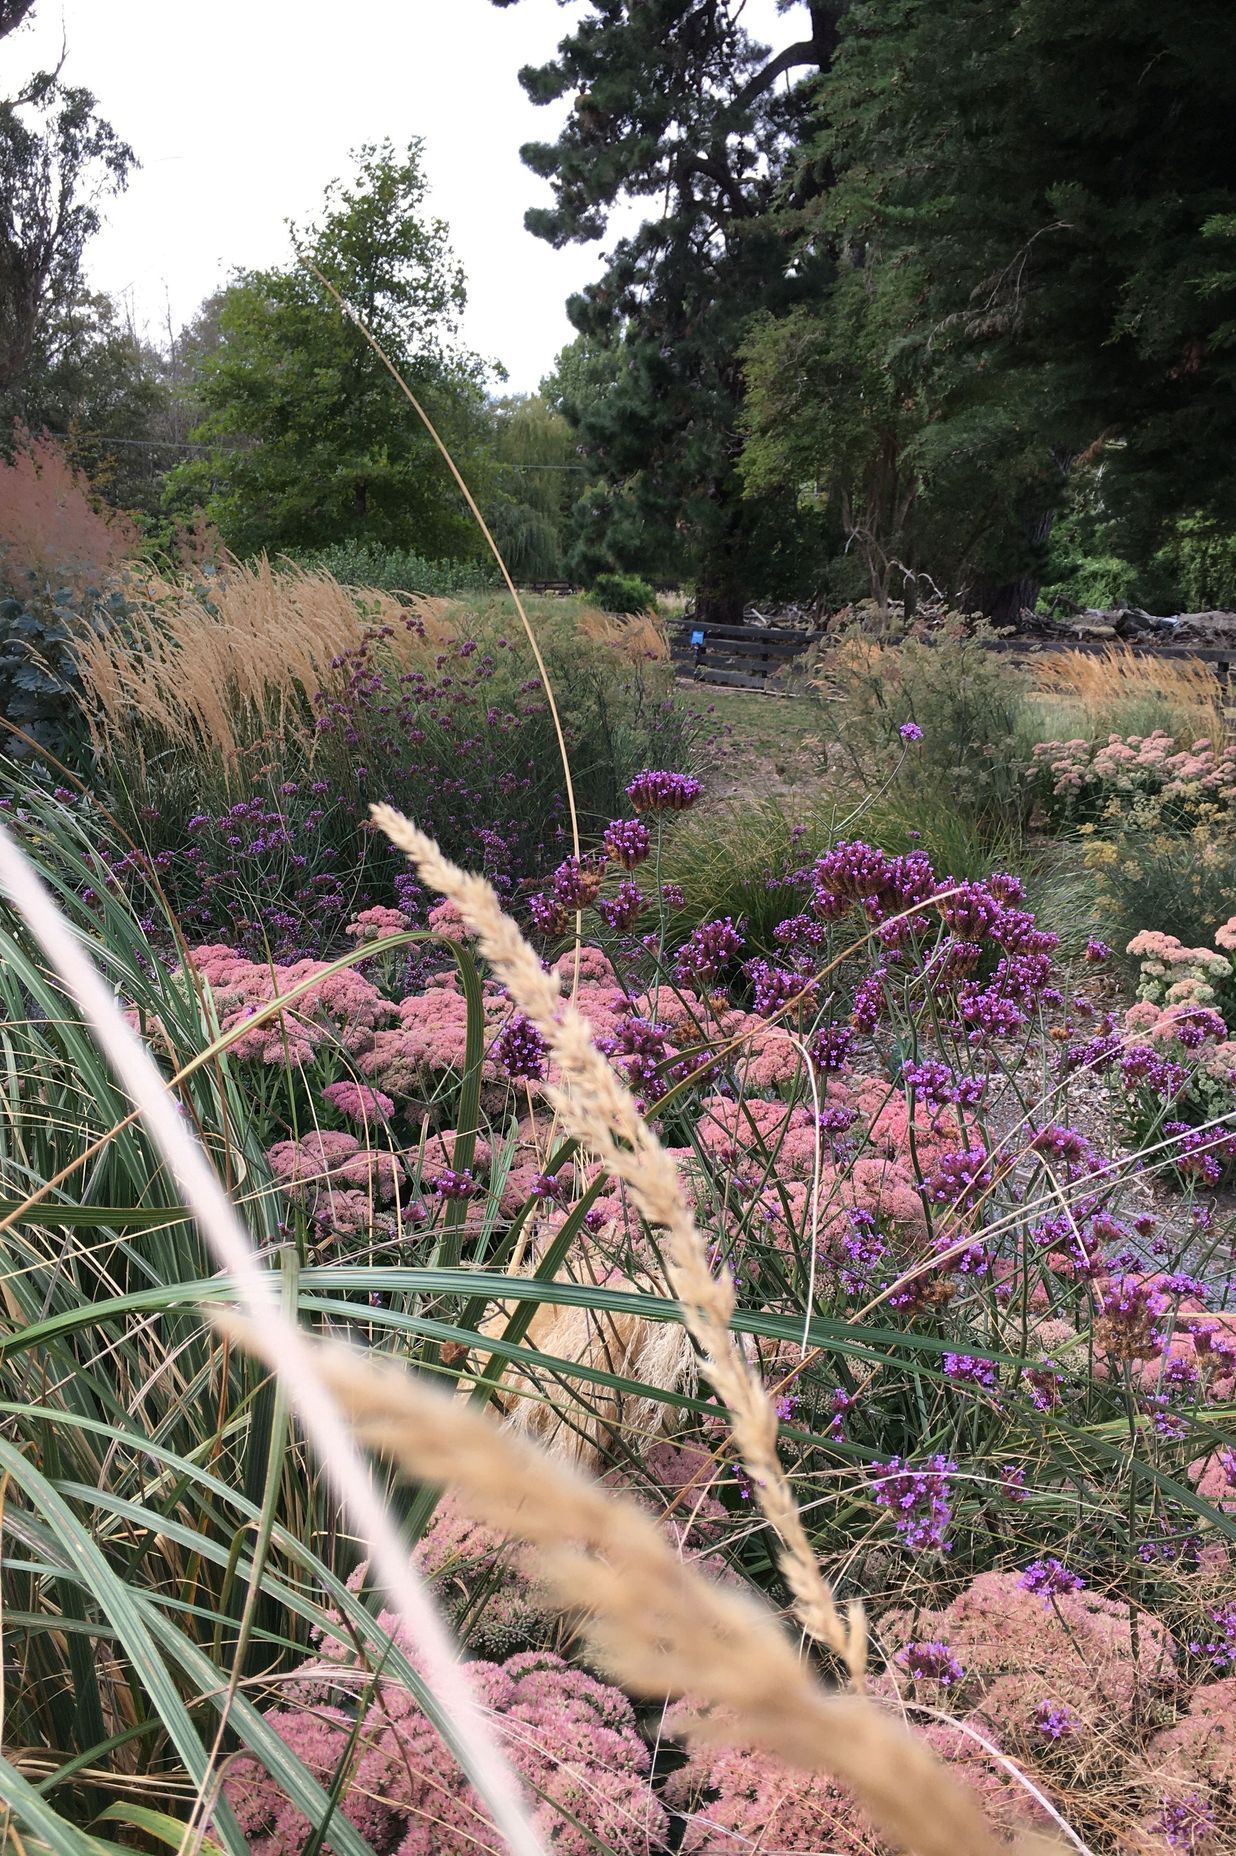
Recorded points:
(717,605)
(1004,603)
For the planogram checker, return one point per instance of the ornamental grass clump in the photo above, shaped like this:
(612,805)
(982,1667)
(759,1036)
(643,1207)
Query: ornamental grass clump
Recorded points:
(242,767)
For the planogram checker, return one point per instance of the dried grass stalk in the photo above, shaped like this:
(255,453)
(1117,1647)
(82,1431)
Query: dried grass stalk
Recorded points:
(658,1625)
(654,1353)
(1098,681)
(594,1106)
(211,674)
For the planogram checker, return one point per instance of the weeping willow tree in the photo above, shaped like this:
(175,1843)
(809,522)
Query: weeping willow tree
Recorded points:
(535,479)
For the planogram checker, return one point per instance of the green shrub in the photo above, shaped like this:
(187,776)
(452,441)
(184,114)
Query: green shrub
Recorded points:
(1200,560)
(971,704)
(39,688)
(397,570)
(623,593)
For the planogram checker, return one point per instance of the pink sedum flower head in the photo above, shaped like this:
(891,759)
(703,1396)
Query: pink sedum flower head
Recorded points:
(375,924)
(357,1102)
(572,1739)
(444,919)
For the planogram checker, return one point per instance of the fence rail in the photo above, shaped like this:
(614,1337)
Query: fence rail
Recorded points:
(756,656)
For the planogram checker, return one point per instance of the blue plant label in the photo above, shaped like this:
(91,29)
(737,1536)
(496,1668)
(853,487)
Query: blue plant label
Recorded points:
(697,638)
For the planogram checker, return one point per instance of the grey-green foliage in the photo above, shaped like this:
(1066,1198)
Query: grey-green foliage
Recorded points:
(39,689)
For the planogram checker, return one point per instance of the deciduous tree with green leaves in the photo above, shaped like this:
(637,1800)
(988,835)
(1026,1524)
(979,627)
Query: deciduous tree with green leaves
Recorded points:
(311,442)
(58,158)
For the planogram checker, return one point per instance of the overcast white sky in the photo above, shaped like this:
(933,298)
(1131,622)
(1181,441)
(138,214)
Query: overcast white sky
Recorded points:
(242,110)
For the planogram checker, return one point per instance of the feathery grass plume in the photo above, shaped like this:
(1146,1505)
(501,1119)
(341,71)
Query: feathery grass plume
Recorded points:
(595,1107)
(208,670)
(634,636)
(654,1353)
(1118,685)
(657,1625)
(52,524)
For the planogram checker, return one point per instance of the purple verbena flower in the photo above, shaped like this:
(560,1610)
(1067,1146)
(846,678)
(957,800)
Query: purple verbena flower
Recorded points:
(1055,1720)
(520,1050)
(1050,1577)
(966,1369)
(623,909)
(628,842)
(920,1500)
(706,952)
(932,1662)
(655,790)
(1186,1823)
(830,1048)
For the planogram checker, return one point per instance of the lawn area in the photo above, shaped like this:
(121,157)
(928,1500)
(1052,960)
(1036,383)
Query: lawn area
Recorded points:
(767,744)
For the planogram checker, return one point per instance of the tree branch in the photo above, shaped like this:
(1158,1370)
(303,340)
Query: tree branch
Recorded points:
(806,51)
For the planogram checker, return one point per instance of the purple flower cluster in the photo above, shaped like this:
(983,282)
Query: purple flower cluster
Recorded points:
(965,1369)
(1068,1150)
(706,953)
(577,881)
(1012,1478)
(519,1049)
(920,1500)
(1125,1327)
(864,1247)
(1142,1065)
(869,1002)
(655,790)
(1201,1153)
(547,915)
(1050,1577)
(830,1048)
(453,1184)
(930,1662)
(882,886)
(773,987)
(622,910)
(644,1052)
(627,842)
(1219,1646)
(1055,1720)
(960,1178)
(1186,1823)
(1043,1385)
(934,1084)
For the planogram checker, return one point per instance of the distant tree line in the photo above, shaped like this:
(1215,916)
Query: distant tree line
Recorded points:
(931,294)
(936,288)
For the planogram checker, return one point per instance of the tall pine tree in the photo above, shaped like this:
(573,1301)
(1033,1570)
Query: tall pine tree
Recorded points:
(674,103)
